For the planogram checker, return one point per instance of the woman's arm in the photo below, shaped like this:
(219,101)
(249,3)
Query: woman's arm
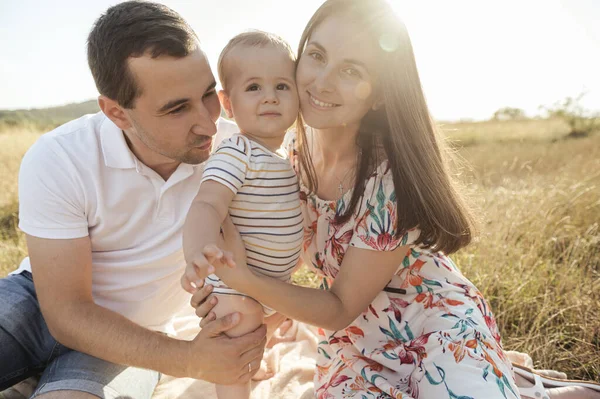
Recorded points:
(363,274)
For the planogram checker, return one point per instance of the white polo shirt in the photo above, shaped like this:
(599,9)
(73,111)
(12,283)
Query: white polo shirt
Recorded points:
(82,179)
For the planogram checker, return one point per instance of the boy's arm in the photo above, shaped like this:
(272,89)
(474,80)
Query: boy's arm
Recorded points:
(201,228)
(224,174)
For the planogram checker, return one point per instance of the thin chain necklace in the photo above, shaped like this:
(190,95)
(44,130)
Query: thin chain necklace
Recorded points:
(341,183)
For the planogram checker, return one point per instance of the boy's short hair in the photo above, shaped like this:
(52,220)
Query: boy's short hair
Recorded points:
(252,38)
(131,29)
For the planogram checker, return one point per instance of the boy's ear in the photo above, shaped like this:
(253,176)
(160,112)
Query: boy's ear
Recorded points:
(225,103)
(114,112)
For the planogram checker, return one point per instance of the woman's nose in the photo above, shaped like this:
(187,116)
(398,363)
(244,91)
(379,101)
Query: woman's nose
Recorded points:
(324,81)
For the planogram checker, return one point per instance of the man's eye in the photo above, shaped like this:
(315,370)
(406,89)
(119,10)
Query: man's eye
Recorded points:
(253,87)
(282,86)
(177,110)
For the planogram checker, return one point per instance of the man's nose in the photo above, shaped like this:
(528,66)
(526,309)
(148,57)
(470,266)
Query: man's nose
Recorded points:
(203,122)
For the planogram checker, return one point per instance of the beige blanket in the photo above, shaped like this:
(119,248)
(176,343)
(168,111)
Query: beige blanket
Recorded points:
(292,362)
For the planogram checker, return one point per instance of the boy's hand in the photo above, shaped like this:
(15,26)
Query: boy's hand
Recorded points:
(202,265)
(217,257)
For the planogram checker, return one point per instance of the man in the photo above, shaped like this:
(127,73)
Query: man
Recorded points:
(102,202)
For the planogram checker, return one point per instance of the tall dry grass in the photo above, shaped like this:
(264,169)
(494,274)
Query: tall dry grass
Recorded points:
(13,145)
(537,258)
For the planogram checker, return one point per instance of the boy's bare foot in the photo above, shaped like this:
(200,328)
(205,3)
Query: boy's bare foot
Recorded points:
(283,334)
(264,373)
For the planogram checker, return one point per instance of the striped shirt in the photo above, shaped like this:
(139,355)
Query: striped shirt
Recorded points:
(266,207)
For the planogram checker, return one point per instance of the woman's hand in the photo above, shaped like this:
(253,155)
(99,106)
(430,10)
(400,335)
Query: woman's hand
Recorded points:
(232,242)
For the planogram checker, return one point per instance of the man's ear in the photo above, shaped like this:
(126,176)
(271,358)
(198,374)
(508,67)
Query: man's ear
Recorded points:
(226,103)
(114,112)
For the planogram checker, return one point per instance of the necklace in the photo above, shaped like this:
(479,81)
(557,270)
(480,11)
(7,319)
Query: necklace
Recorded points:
(341,182)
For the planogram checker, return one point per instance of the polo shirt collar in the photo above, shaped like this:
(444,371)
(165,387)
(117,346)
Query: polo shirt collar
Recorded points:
(114,147)
(118,155)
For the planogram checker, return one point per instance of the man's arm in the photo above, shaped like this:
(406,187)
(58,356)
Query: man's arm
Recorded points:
(62,272)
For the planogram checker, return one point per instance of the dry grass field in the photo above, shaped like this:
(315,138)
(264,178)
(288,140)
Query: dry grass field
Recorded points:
(537,256)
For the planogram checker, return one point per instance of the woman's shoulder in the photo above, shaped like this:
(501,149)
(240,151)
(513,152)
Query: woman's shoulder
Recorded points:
(380,180)
(289,141)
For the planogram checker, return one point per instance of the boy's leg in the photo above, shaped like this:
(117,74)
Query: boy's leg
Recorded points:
(26,345)
(251,318)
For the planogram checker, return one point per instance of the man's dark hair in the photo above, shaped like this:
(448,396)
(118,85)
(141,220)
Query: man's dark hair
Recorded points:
(132,29)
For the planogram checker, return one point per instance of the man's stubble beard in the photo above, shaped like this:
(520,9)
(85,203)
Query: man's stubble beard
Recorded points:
(183,157)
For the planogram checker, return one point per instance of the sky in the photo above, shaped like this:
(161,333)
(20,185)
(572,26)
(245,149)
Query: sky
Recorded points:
(474,56)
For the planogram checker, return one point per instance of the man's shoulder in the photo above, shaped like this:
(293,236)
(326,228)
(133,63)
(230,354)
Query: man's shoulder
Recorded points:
(78,137)
(85,125)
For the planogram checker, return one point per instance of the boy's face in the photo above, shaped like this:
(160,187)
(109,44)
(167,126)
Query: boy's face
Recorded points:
(261,94)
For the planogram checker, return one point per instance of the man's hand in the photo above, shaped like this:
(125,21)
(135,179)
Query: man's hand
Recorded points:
(216,358)
(204,264)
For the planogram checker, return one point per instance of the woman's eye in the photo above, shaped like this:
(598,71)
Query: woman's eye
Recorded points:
(317,56)
(253,87)
(352,72)
(282,86)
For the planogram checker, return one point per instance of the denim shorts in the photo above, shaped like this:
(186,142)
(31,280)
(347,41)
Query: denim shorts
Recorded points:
(27,348)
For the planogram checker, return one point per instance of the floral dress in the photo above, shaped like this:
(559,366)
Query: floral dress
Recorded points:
(429,334)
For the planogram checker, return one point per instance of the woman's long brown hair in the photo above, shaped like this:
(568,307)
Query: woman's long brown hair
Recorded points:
(427,197)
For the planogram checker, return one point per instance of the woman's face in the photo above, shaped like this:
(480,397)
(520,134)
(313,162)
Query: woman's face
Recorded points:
(336,75)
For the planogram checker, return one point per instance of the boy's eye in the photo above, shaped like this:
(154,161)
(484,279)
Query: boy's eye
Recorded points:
(282,86)
(252,87)
(209,93)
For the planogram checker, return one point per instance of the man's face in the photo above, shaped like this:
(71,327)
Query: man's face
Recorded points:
(175,115)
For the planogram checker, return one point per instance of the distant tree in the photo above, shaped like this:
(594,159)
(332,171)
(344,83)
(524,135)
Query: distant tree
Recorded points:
(581,121)
(509,114)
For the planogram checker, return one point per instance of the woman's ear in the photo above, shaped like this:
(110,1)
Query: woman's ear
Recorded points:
(225,103)
(377,105)
(114,112)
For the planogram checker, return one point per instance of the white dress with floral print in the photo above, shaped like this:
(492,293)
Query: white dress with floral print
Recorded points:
(429,334)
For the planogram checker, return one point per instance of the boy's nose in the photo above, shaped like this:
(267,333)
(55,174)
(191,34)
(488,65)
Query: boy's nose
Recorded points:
(271,98)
